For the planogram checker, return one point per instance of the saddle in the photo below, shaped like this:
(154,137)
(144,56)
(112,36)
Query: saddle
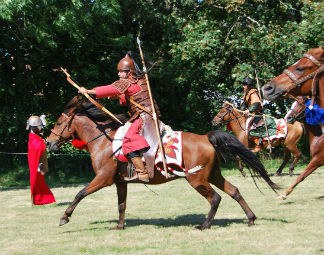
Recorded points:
(277,128)
(172,143)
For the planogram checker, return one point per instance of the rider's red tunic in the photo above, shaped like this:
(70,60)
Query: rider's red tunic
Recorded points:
(133,141)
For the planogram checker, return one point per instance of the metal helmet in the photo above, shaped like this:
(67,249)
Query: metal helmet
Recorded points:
(34,121)
(126,64)
(248,81)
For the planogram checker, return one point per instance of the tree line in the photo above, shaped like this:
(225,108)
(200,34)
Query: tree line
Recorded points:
(199,51)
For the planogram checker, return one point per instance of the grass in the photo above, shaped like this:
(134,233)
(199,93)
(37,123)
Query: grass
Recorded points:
(162,222)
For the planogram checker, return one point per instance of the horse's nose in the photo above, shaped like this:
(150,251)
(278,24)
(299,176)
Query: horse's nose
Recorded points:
(290,119)
(214,123)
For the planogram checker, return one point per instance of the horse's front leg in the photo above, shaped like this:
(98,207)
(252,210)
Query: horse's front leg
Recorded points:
(68,212)
(100,181)
(122,196)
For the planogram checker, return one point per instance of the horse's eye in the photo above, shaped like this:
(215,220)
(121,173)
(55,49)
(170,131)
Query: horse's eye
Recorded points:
(300,69)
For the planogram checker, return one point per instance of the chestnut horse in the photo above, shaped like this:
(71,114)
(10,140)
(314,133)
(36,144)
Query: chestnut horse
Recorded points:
(304,78)
(82,120)
(236,121)
(296,110)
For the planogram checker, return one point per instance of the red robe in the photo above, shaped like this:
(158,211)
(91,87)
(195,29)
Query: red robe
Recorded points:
(40,193)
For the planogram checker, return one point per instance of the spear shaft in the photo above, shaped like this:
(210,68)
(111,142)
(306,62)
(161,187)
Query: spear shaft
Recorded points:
(153,109)
(263,116)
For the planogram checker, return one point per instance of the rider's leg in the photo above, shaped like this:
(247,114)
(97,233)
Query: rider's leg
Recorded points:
(141,171)
(257,147)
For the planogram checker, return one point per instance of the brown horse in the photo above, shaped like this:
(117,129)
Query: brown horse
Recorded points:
(81,120)
(304,78)
(236,121)
(296,110)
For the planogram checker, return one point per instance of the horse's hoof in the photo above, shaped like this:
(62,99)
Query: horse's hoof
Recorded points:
(277,174)
(251,223)
(291,173)
(202,227)
(63,221)
(117,227)
(283,197)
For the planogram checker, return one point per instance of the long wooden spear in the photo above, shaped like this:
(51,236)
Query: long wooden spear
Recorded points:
(153,110)
(100,106)
(263,116)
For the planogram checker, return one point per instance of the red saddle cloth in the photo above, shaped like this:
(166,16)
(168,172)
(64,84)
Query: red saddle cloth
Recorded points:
(40,192)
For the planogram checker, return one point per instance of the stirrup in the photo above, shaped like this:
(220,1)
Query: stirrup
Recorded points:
(135,178)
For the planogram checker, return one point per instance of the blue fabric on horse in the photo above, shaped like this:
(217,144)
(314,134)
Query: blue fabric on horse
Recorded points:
(315,115)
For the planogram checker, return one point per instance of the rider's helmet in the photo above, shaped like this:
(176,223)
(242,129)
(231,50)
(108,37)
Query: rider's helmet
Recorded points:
(248,82)
(34,121)
(126,64)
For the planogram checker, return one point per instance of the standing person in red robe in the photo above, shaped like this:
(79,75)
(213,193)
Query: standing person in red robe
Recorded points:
(37,162)
(132,90)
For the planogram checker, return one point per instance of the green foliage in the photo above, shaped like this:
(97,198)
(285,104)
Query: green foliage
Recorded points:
(202,50)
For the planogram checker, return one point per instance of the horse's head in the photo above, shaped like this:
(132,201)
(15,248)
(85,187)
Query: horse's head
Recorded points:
(63,129)
(223,116)
(298,79)
(296,109)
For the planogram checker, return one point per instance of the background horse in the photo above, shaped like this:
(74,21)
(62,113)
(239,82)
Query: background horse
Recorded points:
(83,121)
(296,110)
(236,122)
(304,78)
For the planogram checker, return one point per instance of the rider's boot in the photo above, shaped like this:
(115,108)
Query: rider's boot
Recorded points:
(141,172)
(257,147)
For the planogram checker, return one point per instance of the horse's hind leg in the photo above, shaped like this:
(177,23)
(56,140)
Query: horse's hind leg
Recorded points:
(204,188)
(296,156)
(122,195)
(287,157)
(234,192)
(240,166)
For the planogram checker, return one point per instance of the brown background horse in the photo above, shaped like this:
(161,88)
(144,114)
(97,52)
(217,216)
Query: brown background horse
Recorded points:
(83,121)
(304,78)
(236,121)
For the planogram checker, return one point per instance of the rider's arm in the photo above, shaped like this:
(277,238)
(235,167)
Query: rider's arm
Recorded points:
(101,91)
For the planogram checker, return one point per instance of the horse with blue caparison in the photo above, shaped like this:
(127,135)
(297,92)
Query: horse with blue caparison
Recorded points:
(304,78)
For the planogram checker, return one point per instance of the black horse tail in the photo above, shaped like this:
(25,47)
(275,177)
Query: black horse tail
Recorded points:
(228,145)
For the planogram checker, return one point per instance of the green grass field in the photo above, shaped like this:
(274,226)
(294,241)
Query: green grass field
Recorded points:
(162,221)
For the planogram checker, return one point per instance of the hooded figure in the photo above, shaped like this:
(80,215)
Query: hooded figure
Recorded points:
(37,162)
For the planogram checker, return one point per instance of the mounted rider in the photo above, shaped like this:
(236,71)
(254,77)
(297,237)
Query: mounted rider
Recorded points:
(131,89)
(252,102)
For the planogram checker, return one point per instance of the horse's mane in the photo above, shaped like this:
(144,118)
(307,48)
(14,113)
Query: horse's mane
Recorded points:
(83,107)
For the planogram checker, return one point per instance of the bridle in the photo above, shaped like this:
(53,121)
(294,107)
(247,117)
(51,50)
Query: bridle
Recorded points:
(228,108)
(298,82)
(67,125)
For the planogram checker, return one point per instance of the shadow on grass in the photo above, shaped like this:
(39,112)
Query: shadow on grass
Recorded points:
(190,220)
(183,220)
(63,203)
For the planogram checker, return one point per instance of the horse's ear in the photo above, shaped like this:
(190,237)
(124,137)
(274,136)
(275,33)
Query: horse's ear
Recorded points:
(79,98)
